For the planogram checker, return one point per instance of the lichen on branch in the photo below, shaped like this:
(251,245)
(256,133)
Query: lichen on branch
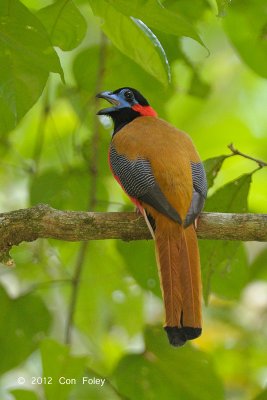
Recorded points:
(43,221)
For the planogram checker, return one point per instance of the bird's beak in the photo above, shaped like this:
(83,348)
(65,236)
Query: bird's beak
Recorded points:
(111,98)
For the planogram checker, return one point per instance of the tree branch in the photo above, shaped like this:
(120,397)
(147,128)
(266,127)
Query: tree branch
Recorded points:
(43,221)
(239,153)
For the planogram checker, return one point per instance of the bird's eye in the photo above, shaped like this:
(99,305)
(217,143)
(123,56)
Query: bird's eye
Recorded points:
(128,95)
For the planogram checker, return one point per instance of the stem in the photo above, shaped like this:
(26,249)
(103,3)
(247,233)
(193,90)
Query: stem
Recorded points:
(92,199)
(75,285)
(237,152)
(40,134)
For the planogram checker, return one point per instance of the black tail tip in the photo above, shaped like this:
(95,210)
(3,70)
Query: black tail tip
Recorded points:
(191,333)
(178,336)
(175,335)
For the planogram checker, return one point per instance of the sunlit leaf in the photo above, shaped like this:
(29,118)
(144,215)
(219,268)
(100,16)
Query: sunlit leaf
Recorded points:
(64,23)
(133,38)
(23,323)
(163,373)
(185,9)
(26,58)
(155,15)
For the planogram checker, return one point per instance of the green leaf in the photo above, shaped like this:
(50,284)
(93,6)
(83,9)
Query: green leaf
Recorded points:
(23,323)
(258,269)
(212,167)
(60,365)
(225,268)
(161,372)
(61,190)
(198,87)
(141,253)
(85,68)
(155,15)
(222,7)
(54,193)
(109,299)
(133,38)
(231,197)
(184,8)
(220,258)
(20,394)
(64,23)
(262,395)
(250,16)
(26,58)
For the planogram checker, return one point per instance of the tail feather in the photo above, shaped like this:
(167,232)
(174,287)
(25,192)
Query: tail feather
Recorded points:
(192,280)
(179,270)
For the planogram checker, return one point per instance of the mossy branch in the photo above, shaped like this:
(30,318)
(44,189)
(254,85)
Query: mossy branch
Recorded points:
(43,221)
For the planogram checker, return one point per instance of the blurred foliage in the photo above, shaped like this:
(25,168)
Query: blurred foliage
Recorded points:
(202,65)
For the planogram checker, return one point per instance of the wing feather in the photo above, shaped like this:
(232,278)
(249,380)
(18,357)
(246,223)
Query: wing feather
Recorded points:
(137,179)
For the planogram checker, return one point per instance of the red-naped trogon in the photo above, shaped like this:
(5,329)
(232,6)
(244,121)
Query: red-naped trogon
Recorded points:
(159,168)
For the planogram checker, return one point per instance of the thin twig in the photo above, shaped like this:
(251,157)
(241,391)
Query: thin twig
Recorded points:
(75,283)
(237,152)
(92,199)
(40,133)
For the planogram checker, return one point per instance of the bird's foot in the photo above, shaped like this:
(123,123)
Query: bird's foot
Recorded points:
(138,211)
(196,222)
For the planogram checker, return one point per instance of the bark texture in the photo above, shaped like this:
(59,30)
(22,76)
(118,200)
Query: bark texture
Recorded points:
(43,221)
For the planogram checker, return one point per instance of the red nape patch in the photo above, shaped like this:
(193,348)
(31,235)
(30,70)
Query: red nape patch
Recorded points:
(145,111)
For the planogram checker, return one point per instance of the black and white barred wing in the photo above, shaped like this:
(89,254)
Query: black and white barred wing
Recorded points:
(199,192)
(137,179)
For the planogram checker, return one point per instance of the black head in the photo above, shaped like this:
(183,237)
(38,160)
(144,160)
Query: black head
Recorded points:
(127,104)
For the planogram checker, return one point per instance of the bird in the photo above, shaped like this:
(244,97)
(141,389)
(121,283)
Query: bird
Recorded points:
(159,168)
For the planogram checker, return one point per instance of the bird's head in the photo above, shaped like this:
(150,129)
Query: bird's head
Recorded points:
(127,104)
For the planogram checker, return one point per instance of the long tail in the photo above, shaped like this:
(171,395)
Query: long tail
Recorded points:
(179,269)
